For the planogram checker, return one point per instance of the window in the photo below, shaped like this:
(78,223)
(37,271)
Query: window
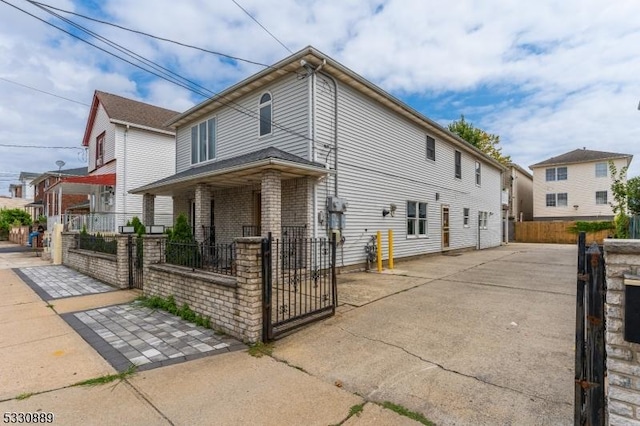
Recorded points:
(483,220)
(601,197)
(265,114)
(100,150)
(561,199)
(478,173)
(554,173)
(431,148)
(458,156)
(203,141)
(551,200)
(601,170)
(416,218)
(562,173)
(465,217)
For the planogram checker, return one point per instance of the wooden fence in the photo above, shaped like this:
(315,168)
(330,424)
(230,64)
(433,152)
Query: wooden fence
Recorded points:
(554,233)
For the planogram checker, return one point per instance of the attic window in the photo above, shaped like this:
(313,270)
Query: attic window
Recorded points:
(266,114)
(100,150)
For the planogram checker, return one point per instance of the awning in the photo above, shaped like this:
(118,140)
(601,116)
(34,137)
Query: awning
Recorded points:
(83,184)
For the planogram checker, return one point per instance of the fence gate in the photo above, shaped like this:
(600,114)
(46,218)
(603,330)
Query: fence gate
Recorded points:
(590,349)
(299,283)
(135,256)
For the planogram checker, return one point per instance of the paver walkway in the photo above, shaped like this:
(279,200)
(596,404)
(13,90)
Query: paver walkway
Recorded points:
(148,338)
(54,282)
(126,334)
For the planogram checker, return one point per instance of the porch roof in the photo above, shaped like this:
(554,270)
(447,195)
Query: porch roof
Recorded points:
(242,170)
(79,185)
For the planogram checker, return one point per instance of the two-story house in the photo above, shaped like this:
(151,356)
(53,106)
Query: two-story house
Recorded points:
(311,147)
(575,185)
(128,145)
(52,204)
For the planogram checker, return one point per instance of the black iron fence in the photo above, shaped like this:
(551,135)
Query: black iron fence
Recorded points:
(299,280)
(98,243)
(218,258)
(288,231)
(251,231)
(209,233)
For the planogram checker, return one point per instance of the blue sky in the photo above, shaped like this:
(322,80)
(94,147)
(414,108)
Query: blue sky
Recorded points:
(548,77)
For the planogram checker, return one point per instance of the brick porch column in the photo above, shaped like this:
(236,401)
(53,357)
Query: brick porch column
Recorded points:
(203,212)
(148,209)
(271,203)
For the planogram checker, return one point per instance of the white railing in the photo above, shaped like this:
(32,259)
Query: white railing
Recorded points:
(103,222)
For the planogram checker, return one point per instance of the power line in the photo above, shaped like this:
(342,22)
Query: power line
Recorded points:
(262,26)
(228,103)
(8,145)
(43,91)
(235,58)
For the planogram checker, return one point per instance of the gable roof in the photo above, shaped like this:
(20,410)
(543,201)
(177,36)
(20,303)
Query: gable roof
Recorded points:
(521,170)
(127,111)
(581,156)
(78,171)
(342,74)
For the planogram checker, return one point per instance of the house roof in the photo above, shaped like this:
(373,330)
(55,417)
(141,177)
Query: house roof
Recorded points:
(28,176)
(83,184)
(343,74)
(581,156)
(128,111)
(251,162)
(521,170)
(78,171)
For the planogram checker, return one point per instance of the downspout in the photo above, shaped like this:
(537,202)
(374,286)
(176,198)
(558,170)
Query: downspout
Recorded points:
(335,129)
(124,177)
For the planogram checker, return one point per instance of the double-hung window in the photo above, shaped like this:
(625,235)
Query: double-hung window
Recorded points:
(266,114)
(601,197)
(416,219)
(483,220)
(557,200)
(203,141)
(465,217)
(478,173)
(431,148)
(601,170)
(556,173)
(100,150)
(458,164)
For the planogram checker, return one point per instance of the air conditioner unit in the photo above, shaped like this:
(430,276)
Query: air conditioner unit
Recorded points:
(98,162)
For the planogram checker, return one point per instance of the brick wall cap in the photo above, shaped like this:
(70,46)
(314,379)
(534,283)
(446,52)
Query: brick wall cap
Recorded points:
(207,277)
(621,246)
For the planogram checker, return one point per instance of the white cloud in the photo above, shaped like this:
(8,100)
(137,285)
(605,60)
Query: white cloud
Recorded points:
(559,75)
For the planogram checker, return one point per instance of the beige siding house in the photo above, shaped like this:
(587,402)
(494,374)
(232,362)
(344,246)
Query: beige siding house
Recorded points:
(575,185)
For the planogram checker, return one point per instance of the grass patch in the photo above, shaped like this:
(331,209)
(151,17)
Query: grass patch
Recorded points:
(24,395)
(108,378)
(260,349)
(169,305)
(407,413)
(356,410)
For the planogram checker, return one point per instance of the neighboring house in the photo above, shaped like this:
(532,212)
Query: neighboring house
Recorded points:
(23,189)
(51,203)
(575,185)
(310,147)
(128,145)
(519,184)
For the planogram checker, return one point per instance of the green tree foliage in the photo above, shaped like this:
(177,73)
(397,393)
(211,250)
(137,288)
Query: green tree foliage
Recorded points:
(633,195)
(181,230)
(182,248)
(10,217)
(620,194)
(485,142)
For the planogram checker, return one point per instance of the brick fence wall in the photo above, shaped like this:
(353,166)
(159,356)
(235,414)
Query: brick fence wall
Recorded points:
(111,269)
(622,258)
(233,304)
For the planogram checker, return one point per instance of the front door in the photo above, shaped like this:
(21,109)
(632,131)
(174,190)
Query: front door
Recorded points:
(445,227)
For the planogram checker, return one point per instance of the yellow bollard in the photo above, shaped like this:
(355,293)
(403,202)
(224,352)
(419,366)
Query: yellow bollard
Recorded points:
(390,248)
(379,254)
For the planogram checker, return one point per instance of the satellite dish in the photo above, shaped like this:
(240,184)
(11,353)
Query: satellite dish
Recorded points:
(60,163)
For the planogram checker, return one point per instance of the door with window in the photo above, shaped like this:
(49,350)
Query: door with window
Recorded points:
(445,227)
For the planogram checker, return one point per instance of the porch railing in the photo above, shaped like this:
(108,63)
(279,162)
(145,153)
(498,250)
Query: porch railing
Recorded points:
(218,258)
(288,231)
(251,231)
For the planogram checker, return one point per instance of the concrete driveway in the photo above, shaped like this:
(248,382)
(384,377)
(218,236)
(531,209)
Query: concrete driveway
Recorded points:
(480,338)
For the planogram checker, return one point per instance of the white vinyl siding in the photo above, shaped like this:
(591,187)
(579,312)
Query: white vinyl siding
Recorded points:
(237,132)
(378,166)
(149,156)
(101,124)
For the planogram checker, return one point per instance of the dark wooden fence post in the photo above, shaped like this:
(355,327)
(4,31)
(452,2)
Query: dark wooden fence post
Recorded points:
(595,337)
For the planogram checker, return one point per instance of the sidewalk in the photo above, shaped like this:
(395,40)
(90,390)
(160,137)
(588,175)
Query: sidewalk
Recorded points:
(42,357)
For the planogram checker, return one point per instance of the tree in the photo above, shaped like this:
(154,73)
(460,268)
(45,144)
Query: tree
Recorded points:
(485,142)
(620,192)
(633,195)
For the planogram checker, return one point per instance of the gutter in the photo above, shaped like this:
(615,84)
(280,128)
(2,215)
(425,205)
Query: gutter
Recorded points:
(140,126)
